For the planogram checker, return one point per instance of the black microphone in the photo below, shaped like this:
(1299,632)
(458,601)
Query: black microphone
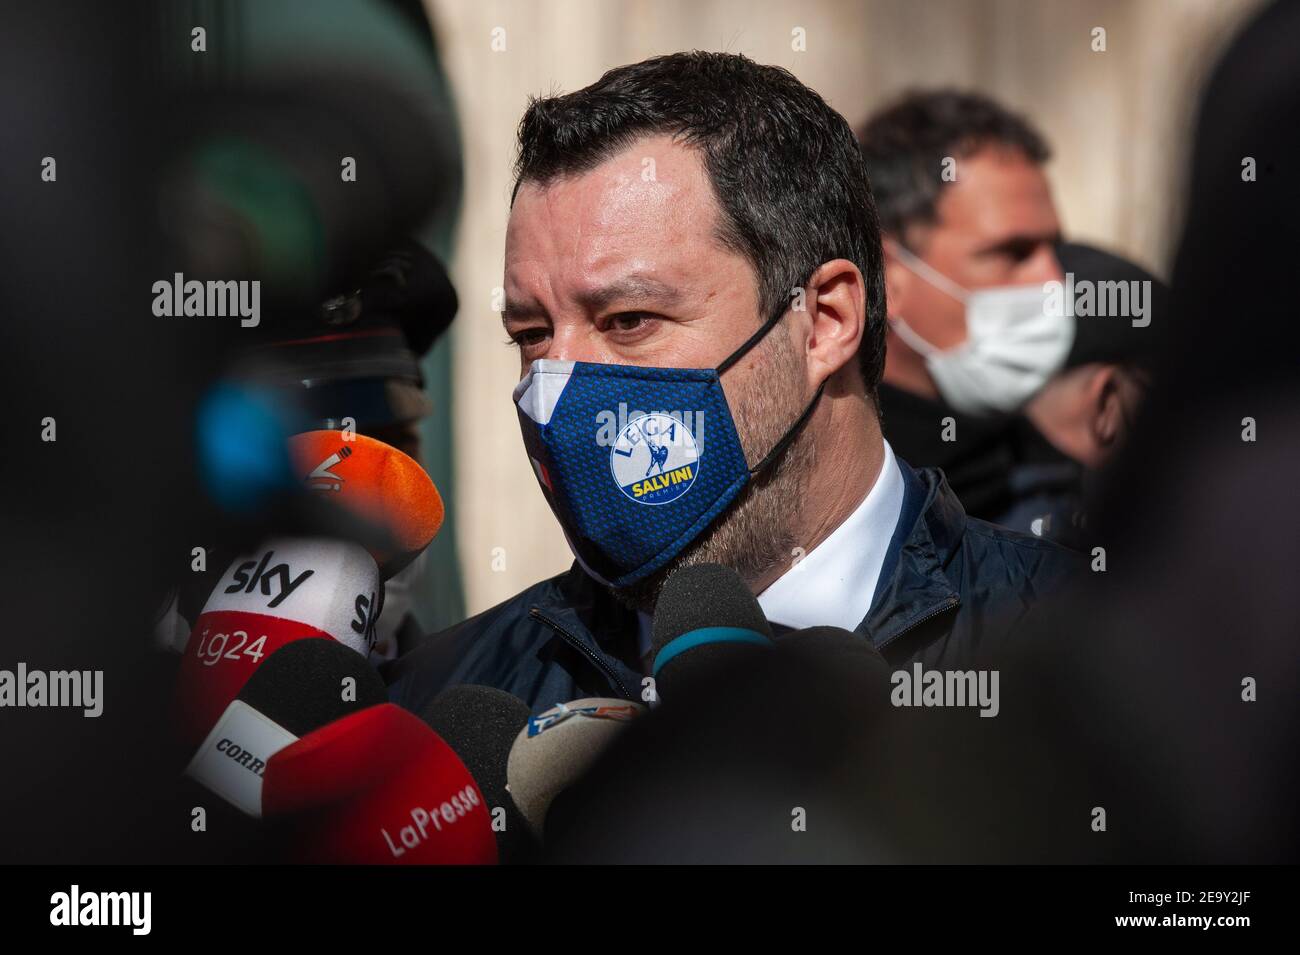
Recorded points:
(705,620)
(480,724)
(847,660)
(301,687)
(759,766)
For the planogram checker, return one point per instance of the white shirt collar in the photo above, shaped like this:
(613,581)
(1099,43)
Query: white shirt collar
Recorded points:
(834,584)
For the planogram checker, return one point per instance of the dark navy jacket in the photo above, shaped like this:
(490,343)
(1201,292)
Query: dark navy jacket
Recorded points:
(951,588)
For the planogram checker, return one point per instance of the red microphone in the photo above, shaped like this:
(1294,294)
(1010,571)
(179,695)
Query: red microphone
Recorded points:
(289,589)
(378,787)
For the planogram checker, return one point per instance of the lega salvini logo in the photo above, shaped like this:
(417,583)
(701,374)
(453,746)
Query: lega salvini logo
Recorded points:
(655,459)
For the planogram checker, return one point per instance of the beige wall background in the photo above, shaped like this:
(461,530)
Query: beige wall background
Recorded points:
(1118,121)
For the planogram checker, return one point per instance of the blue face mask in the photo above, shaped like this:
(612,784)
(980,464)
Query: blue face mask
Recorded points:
(636,462)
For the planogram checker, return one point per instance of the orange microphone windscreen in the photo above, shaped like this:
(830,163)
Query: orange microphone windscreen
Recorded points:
(374,482)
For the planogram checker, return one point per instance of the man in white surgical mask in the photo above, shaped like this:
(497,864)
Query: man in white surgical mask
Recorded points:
(970,230)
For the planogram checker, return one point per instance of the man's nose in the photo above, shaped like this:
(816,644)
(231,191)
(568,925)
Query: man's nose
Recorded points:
(577,341)
(1042,266)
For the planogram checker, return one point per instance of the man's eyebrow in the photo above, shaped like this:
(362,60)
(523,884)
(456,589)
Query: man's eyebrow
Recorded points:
(633,288)
(1019,245)
(518,311)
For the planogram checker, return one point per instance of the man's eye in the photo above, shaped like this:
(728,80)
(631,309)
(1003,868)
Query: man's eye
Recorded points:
(529,337)
(628,321)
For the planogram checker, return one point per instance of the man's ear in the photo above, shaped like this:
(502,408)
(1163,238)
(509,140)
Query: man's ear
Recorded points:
(1104,397)
(836,300)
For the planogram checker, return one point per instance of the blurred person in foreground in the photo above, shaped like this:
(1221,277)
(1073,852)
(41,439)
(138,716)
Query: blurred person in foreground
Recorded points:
(695,285)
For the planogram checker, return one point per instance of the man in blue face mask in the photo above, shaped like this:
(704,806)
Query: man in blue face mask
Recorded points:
(695,286)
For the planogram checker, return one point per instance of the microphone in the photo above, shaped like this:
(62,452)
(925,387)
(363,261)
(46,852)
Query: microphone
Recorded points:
(554,749)
(377,485)
(705,619)
(480,723)
(762,766)
(301,687)
(848,658)
(288,589)
(378,787)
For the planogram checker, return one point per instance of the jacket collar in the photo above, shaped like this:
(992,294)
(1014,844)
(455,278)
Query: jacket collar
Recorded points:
(913,585)
(588,617)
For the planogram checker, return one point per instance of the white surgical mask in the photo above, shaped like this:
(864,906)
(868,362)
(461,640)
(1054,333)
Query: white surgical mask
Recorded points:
(399,600)
(1014,343)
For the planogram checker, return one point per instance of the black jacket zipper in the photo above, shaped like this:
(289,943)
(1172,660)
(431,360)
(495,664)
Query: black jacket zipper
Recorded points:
(949,604)
(573,641)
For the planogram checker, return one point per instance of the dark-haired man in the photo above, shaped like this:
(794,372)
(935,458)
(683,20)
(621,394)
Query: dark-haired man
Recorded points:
(970,232)
(693,262)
